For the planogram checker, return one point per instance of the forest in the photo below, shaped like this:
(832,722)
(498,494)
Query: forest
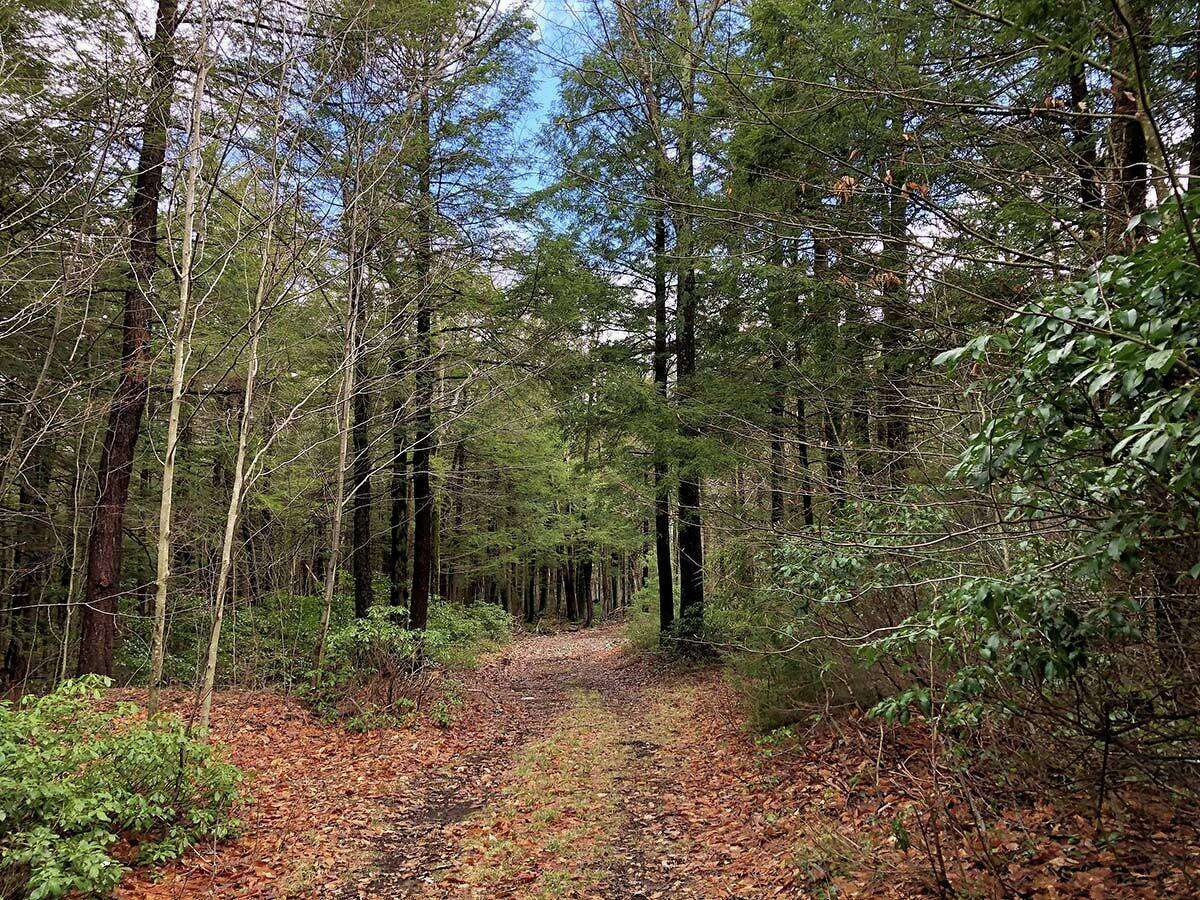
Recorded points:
(599,448)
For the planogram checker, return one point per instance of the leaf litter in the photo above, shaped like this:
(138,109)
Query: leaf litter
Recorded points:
(578,768)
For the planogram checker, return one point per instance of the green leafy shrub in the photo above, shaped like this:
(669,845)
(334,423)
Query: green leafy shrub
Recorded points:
(1034,630)
(456,634)
(76,779)
(1089,626)
(373,664)
(642,625)
(1097,420)
(801,638)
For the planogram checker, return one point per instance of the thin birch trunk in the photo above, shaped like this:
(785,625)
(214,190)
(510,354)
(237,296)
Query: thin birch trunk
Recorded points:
(335,531)
(346,401)
(238,489)
(239,472)
(180,351)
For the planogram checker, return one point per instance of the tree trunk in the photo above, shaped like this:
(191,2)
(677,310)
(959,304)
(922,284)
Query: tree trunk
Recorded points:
(662,491)
(806,500)
(1127,197)
(691,551)
(423,533)
(360,496)
(530,593)
(180,350)
(586,597)
(237,491)
(1083,141)
(398,526)
(897,323)
(31,565)
(103,584)
(339,498)
(571,597)
(776,344)
(835,463)
(1194,152)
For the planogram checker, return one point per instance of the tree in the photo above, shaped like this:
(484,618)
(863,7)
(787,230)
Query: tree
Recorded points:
(103,584)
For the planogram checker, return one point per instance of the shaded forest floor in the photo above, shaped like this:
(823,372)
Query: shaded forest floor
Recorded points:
(576,768)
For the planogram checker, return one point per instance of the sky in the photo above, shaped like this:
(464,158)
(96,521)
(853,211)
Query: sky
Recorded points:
(556,22)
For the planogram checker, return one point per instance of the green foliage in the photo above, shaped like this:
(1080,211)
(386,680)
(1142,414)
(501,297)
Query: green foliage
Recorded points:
(457,634)
(376,654)
(442,711)
(75,779)
(1095,431)
(269,642)
(867,614)
(1031,628)
(642,626)
(1095,436)
(1099,419)
(828,593)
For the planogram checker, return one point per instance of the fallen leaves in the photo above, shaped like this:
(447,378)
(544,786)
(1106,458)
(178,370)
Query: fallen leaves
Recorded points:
(315,799)
(578,769)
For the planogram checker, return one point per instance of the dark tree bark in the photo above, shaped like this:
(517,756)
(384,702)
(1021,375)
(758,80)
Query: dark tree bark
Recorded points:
(776,344)
(1194,152)
(835,463)
(662,495)
(103,582)
(398,524)
(586,597)
(423,501)
(858,426)
(457,485)
(530,593)
(831,418)
(691,552)
(1083,140)
(806,497)
(31,567)
(806,500)
(360,492)
(616,573)
(570,596)
(1128,195)
(691,548)
(897,323)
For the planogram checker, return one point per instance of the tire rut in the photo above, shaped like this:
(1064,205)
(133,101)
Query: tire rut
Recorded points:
(511,701)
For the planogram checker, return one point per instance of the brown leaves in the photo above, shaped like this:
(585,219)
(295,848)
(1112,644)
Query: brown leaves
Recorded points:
(649,783)
(315,793)
(845,187)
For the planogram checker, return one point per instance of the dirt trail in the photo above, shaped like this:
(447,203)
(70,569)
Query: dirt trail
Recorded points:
(573,702)
(575,767)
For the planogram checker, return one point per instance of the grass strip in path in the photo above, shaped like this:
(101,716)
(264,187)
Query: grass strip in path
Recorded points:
(550,830)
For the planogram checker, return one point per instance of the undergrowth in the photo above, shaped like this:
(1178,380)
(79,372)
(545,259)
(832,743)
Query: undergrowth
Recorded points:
(84,790)
(378,671)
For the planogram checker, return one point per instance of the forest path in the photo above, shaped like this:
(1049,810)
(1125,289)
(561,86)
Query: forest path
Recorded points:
(561,791)
(576,767)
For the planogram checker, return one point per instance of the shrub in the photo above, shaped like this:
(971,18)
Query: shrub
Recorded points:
(1094,436)
(642,625)
(457,634)
(1073,618)
(75,780)
(374,663)
(802,635)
